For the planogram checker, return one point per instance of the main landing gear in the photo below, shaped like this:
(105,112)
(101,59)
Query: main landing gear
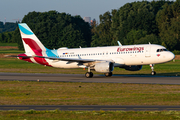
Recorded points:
(152,68)
(108,74)
(89,74)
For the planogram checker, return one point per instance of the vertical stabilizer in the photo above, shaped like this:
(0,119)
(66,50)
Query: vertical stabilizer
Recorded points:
(32,44)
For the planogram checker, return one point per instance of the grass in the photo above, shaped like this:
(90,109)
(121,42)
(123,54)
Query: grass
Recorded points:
(9,48)
(8,44)
(94,115)
(15,65)
(10,51)
(60,93)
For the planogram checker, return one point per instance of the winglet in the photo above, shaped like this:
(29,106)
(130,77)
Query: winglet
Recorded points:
(119,43)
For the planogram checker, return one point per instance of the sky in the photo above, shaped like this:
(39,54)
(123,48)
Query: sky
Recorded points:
(13,10)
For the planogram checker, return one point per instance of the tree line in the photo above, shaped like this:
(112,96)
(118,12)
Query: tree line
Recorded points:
(57,30)
(157,22)
(5,34)
(8,26)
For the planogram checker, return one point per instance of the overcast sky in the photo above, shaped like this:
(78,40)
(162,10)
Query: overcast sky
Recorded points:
(16,9)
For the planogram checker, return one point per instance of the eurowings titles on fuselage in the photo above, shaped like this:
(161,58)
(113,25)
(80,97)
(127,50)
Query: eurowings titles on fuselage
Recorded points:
(99,59)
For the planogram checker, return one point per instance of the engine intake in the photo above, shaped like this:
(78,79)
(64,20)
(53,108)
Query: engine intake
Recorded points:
(104,67)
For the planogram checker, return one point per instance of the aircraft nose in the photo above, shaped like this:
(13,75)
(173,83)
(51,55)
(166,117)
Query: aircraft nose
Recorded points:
(171,56)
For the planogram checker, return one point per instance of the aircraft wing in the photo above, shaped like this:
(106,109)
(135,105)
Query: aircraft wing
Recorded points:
(72,59)
(62,59)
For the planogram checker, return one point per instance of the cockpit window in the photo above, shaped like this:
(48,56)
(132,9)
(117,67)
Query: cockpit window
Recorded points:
(161,50)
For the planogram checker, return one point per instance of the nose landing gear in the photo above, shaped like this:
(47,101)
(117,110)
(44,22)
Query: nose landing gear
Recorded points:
(152,68)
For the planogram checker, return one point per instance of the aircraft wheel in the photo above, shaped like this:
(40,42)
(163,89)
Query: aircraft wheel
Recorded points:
(89,74)
(108,74)
(153,73)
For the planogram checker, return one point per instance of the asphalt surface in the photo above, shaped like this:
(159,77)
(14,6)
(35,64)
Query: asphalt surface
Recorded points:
(88,108)
(135,79)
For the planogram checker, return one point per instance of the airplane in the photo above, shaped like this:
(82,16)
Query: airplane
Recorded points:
(99,59)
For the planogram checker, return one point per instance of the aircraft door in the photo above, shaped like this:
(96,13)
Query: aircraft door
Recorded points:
(148,51)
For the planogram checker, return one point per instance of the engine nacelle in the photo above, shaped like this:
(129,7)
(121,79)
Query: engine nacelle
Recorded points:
(133,67)
(104,67)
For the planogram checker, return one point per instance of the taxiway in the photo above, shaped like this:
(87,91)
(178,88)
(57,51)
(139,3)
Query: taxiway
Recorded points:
(136,79)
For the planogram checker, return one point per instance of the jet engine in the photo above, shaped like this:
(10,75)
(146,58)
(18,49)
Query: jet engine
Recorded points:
(104,67)
(133,67)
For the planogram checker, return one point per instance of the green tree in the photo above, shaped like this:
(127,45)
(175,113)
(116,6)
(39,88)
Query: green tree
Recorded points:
(152,38)
(168,20)
(103,36)
(133,37)
(2,38)
(133,16)
(57,29)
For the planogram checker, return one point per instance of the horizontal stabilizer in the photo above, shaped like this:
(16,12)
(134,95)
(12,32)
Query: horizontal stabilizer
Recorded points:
(18,56)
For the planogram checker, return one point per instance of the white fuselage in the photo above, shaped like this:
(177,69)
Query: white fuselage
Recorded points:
(120,55)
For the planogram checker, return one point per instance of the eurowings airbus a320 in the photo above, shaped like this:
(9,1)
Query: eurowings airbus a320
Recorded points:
(99,59)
